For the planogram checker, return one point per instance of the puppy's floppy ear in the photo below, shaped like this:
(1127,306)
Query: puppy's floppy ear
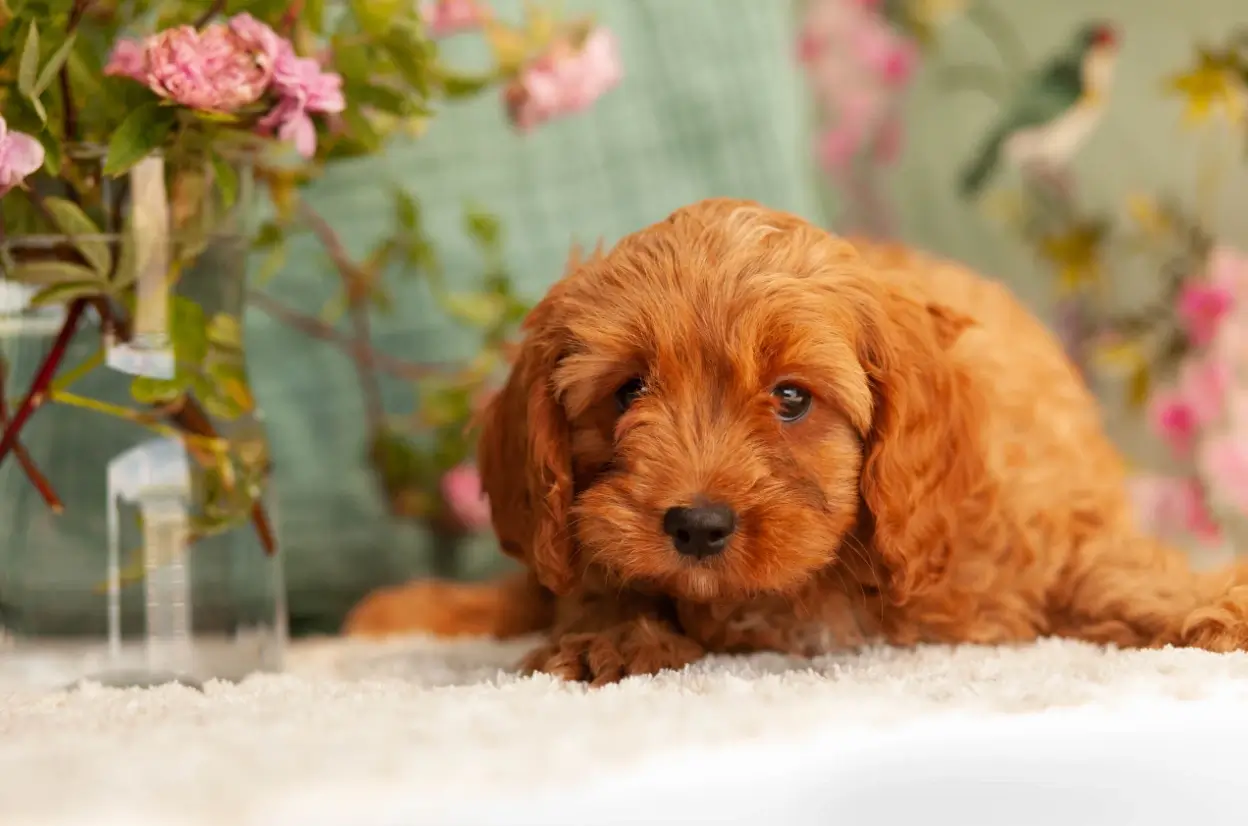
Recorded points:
(923,475)
(524,455)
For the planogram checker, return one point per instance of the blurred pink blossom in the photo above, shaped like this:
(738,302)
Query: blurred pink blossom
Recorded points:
(213,70)
(1204,384)
(564,80)
(447,17)
(1174,420)
(461,490)
(1202,307)
(302,89)
(128,59)
(20,156)
(857,64)
(1172,505)
(1223,463)
(1228,267)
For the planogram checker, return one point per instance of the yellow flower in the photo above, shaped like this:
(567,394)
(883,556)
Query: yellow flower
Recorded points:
(1075,253)
(1213,86)
(1149,215)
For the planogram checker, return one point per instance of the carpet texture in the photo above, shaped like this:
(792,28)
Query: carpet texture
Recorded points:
(419,731)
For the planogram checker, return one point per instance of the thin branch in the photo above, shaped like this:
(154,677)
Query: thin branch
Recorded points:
(212,11)
(308,325)
(24,458)
(355,285)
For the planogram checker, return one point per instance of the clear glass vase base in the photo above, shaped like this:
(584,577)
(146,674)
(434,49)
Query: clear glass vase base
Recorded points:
(53,666)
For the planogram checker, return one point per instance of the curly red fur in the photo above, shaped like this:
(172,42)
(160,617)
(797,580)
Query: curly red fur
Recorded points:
(952,481)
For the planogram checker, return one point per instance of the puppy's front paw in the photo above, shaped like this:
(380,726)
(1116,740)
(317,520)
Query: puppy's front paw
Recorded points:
(638,647)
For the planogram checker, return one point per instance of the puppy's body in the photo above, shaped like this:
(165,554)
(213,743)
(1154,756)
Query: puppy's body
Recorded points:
(950,482)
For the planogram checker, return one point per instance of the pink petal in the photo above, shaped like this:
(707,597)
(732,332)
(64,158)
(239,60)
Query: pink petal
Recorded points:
(301,132)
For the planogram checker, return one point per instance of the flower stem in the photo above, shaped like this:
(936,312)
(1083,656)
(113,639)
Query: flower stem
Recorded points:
(75,373)
(24,458)
(38,391)
(213,444)
(190,418)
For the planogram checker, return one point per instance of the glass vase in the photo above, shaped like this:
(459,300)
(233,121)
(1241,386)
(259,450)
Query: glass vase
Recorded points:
(138,541)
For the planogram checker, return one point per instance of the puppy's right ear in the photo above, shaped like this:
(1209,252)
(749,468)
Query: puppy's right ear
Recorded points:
(524,457)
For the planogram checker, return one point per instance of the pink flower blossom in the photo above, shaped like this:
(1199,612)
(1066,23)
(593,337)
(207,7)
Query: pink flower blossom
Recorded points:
(564,80)
(886,54)
(258,38)
(20,156)
(1202,307)
(447,17)
(857,64)
(467,504)
(1223,462)
(302,89)
(1170,506)
(1228,267)
(1204,384)
(128,59)
(1175,420)
(213,70)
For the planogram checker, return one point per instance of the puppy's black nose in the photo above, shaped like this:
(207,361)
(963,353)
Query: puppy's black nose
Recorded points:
(700,531)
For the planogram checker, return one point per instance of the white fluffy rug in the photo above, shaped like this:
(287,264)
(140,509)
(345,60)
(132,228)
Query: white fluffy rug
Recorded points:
(417,732)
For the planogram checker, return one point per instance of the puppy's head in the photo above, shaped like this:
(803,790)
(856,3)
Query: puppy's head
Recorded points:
(712,407)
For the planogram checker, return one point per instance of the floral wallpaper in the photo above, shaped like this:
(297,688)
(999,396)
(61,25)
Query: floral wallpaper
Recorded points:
(1140,269)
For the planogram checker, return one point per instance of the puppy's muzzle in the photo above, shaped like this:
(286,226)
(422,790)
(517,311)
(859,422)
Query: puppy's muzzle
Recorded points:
(700,531)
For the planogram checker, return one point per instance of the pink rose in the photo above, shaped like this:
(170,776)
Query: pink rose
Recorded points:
(447,17)
(1169,506)
(564,80)
(128,59)
(461,490)
(213,70)
(1202,307)
(258,38)
(20,157)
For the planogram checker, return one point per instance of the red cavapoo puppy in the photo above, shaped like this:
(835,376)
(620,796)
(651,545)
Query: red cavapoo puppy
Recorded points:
(735,431)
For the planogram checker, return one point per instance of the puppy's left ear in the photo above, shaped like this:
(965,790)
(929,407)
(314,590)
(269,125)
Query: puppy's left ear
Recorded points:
(923,471)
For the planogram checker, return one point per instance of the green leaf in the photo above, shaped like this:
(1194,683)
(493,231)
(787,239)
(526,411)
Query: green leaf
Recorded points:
(158,391)
(411,55)
(65,292)
(53,65)
(270,235)
(189,331)
(143,130)
(127,271)
(51,153)
(456,85)
(28,68)
(272,263)
(227,180)
(479,309)
(72,221)
(483,228)
(225,331)
(407,210)
(375,16)
(47,273)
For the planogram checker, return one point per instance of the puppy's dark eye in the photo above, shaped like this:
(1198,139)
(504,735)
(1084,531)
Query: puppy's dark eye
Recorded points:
(629,392)
(794,402)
